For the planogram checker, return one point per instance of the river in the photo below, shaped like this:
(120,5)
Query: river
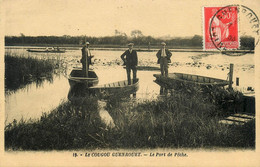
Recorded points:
(33,100)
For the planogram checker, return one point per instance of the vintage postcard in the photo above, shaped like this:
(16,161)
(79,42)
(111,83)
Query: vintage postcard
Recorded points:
(129,83)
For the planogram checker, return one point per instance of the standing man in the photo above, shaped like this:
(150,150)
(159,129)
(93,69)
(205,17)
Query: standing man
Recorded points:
(86,59)
(130,60)
(164,57)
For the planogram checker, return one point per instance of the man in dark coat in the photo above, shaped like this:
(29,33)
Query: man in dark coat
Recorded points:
(85,59)
(130,60)
(164,57)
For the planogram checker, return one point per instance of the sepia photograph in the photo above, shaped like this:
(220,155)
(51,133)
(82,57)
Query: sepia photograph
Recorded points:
(129,83)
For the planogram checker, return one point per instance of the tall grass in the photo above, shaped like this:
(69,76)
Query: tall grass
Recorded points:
(181,120)
(226,101)
(70,125)
(21,70)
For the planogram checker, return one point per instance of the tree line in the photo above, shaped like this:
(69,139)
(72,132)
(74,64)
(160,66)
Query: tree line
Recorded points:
(119,39)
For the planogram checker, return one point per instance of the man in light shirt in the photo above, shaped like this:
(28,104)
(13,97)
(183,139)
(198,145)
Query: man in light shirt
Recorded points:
(164,57)
(130,60)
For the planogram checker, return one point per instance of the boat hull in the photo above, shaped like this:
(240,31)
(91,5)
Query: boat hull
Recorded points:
(175,79)
(120,88)
(76,78)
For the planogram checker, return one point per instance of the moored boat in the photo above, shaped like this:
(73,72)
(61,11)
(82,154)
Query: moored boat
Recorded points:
(76,77)
(175,78)
(47,50)
(115,88)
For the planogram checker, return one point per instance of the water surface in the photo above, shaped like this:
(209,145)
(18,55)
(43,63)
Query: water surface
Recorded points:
(31,101)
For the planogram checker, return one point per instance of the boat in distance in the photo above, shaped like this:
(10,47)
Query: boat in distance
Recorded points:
(116,88)
(47,50)
(76,77)
(174,78)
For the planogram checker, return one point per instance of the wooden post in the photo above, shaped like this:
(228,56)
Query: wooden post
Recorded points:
(231,76)
(86,70)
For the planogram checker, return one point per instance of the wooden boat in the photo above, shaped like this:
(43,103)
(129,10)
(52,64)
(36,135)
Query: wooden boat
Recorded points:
(76,78)
(175,78)
(47,50)
(116,88)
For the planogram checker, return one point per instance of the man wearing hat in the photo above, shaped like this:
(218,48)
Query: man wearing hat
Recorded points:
(86,58)
(164,57)
(130,60)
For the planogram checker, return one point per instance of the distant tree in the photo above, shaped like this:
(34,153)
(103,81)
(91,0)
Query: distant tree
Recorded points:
(196,40)
(119,38)
(119,33)
(23,37)
(136,33)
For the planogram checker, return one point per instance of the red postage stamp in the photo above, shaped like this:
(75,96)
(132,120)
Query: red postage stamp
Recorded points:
(220,28)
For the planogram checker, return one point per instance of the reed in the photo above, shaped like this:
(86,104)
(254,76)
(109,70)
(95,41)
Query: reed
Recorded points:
(68,126)
(180,120)
(21,70)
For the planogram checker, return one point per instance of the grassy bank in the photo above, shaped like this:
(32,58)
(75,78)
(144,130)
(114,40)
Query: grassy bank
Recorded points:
(181,120)
(21,70)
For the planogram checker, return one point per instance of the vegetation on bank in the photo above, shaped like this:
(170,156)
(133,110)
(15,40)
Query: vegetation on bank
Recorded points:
(21,70)
(183,119)
(119,39)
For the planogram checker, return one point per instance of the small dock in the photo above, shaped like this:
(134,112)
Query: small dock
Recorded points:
(238,119)
(247,114)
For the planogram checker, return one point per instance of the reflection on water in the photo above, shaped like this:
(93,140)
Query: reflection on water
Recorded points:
(77,92)
(38,83)
(38,98)
(35,99)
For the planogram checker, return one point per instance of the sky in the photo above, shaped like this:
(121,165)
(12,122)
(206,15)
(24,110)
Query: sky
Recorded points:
(102,17)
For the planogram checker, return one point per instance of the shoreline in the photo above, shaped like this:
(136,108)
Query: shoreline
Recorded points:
(138,49)
(179,110)
(156,117)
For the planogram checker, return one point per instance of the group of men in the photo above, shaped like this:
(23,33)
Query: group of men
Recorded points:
(130,60)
